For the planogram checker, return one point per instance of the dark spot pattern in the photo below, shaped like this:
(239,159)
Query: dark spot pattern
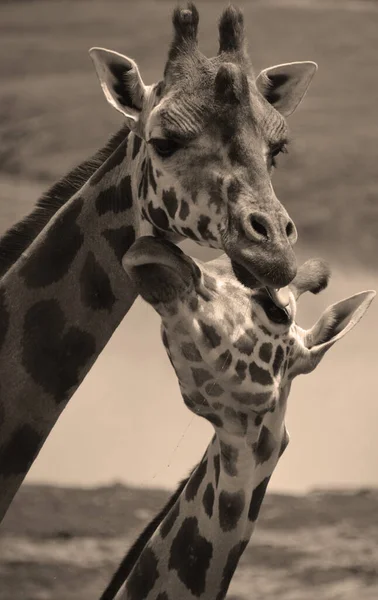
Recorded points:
(265,330)
(211,337)
(278,358)
(200,376)
(233,190)
(260,375)
(216,468)
(51,356)
(216,194)
(193,303)
(241,368)
(213,390)
(115,199)
(248,398)
(257,498)
(51,260)
(136,146)
(229,457)
(208,500)
(238,417)
(230,567)
(189,233)
(151,176)
(17,455)
(95,288)
(190,352)
(258,420)
(190,556)
(170,202)
(195,481)
(114,160)
(209,282)
(4,318)
(214,419)
(231,506)
(223,361)
(217,405)
(198,398)
(203,228)
(264,447)
(120,239)
(245,344)
(143,577)
(158,217)
(265,352)
(184,210)
(169,521)
(143,183)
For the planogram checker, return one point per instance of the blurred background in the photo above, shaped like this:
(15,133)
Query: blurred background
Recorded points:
(126,437)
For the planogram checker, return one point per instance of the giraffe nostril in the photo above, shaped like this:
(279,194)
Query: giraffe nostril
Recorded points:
(258,227)
(289,229)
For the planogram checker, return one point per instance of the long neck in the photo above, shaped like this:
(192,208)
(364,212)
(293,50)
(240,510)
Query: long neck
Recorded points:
(60,303)
(196,549)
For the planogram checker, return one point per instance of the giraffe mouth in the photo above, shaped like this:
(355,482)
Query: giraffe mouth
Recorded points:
(281,315)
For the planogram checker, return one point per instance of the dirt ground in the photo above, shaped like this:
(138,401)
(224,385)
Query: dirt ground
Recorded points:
(63,544)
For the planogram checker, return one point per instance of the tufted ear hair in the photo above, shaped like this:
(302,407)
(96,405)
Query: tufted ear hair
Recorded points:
(336,321)
(284,86)
(160,271)
(121,83)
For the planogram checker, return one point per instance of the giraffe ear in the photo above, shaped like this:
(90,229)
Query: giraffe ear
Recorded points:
(121,82)
(284,86)
(336,321)
(160,271)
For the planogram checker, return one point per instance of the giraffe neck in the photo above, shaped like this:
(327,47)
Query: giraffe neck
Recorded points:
(196,549)
(60,303)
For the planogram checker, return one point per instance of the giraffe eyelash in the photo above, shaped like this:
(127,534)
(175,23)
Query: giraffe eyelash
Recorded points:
(276,150)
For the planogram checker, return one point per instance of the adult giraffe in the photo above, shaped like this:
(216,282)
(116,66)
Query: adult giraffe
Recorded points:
(193,160)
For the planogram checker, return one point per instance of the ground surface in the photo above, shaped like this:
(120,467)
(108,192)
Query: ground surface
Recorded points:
(63,544)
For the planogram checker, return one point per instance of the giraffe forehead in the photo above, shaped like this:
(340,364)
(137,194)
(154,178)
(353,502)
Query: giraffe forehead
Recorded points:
(189,111)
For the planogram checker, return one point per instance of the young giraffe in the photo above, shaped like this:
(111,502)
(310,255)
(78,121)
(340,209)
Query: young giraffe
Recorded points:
(193,160)
(235,354)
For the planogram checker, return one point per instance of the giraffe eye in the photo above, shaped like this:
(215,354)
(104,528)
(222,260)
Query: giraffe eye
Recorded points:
(165,147)
(275,151)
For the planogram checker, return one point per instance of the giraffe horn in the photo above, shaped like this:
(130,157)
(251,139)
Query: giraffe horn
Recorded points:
(231,34)
(185,25)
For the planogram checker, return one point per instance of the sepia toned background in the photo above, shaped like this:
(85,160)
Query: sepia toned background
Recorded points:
(127,424)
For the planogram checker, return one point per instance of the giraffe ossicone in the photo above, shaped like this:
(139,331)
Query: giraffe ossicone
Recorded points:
(193,160)
(235,354)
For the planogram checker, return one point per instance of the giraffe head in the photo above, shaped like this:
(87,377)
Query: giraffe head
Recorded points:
(209,134)
(228,343)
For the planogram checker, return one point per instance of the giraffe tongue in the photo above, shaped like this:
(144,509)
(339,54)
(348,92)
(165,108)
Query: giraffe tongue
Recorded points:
(280,296)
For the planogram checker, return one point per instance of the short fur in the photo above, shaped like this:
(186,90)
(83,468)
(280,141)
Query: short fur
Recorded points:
(19,237)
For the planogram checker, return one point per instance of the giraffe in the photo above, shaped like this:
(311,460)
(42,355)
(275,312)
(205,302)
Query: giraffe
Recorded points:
(193,159)
(235,354)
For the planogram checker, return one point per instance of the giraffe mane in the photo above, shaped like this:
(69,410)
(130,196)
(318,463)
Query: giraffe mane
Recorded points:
(19,237)
(127,563)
